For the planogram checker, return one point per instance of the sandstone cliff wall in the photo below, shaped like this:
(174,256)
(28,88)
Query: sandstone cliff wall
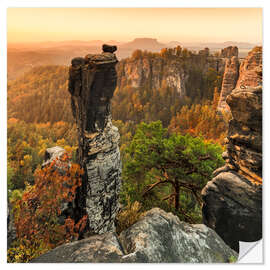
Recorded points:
(152,72)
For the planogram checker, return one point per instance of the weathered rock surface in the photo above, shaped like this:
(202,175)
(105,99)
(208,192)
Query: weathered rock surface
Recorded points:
(250,73)
(154,72)
(157,237)
(229,52)
(233,199)
(244,145)
(229,81)
(233,208)
(92,83)
(98,248)
(162,237)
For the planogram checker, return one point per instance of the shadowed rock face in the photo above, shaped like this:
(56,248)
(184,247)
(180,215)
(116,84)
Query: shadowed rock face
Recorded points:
(92,81)
(155,238)
(233,199)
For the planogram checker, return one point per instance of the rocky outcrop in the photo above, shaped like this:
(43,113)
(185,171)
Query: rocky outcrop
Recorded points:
(229,52)
(233,199)
(156,237)
(92,83)
(229,81)
(250,73)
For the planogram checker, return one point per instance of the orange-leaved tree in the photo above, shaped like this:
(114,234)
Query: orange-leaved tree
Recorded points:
(37,213)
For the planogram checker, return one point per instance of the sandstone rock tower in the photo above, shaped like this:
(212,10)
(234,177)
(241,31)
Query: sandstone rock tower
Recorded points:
(92,81)
(233,199)
(239,73)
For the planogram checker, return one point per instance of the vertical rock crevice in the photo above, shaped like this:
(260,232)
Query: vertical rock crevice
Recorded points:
(92,82)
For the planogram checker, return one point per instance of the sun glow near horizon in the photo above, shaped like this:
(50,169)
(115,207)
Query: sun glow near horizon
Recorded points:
(125,24)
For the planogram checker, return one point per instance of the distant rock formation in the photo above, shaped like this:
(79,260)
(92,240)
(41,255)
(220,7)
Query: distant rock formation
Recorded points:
(229,52)
(229,81)
(92,83)
(233,199)
(205,52)
(153,73)
(236,75)
(158,237)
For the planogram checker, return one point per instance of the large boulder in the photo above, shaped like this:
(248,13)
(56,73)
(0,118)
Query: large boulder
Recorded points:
(98,248)
(156,237)
(233,208)
(162,237)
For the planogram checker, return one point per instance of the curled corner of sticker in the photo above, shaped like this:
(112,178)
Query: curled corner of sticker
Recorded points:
(250,252)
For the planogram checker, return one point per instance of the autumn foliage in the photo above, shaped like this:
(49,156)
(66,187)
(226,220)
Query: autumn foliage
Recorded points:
(37,213)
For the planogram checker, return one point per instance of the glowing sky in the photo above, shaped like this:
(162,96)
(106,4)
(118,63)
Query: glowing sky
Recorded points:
(125,24)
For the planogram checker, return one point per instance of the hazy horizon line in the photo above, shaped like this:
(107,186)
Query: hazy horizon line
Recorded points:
(130,40)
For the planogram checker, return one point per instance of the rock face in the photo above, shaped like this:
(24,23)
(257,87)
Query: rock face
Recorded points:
(233,199)
(229,52)
(250,73)
(236,75)
(92,82)
(229,81)
(157,237)
(152,72)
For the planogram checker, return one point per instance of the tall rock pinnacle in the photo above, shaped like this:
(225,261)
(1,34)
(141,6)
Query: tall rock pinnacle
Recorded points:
(92,81)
